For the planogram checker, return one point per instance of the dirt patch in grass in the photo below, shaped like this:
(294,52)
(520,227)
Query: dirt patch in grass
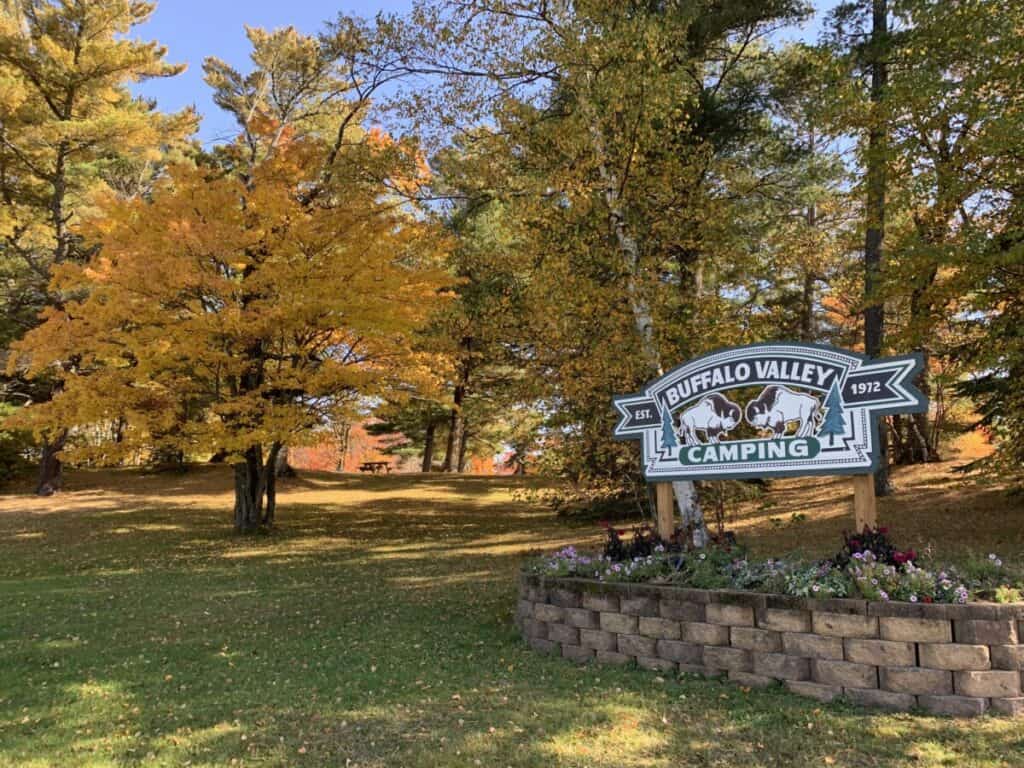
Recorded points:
(934,509)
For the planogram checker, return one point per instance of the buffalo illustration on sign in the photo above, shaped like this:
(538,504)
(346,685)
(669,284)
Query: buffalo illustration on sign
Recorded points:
(768,410)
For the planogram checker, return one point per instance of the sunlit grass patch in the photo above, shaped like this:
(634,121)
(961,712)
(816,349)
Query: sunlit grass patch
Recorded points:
(373,627)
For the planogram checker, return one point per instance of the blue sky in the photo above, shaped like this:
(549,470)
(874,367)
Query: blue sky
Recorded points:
(194,29)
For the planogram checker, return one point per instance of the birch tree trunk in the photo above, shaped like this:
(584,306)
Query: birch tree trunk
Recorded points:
(685,490)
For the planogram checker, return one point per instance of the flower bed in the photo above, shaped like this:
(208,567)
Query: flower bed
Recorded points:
(868,567)
(871,624)
(954,659)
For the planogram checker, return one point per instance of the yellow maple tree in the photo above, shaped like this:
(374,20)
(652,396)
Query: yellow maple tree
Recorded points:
(252,298)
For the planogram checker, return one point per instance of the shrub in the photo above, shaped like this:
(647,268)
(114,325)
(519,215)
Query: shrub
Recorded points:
(710,569)
(15,449)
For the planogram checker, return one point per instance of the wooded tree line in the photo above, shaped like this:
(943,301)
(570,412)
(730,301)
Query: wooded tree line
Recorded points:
(480,221)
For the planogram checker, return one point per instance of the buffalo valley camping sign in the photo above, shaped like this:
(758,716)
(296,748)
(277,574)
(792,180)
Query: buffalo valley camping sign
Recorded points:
(768,410)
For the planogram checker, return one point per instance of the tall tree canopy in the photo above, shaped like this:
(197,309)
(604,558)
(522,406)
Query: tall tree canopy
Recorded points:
(259,293)
(607,188)
(69,131)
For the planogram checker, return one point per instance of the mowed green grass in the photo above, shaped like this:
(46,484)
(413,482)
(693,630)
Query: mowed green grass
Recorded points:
(373,628)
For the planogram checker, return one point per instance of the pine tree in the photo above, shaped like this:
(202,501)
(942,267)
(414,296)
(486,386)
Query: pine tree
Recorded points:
(68,127)
(668,434)
(833,424)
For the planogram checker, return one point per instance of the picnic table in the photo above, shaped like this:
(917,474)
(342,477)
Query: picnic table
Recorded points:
(375,466)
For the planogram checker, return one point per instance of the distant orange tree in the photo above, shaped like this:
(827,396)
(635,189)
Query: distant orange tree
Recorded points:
(257,294)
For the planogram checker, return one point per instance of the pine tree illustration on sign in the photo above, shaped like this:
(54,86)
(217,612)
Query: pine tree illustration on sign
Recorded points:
(668,433)
(833,424)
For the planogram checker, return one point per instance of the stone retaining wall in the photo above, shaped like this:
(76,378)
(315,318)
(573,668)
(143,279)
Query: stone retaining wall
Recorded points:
(947,659)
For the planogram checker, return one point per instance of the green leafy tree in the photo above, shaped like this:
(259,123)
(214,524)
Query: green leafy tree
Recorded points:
(616,131)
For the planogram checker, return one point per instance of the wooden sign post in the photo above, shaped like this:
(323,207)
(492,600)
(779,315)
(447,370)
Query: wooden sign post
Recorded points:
(666,510)
(865,506)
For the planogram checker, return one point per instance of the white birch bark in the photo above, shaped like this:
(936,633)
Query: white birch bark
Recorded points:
(685,490)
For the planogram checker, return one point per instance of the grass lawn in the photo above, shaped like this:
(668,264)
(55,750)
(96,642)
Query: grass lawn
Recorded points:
(374,629)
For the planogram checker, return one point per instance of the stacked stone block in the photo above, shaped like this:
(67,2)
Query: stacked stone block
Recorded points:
(958,660)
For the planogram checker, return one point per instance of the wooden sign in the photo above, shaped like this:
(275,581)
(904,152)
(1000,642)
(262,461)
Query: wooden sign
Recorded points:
(768,410)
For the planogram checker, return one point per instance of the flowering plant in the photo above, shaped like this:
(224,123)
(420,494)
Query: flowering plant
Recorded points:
(863,573)
(568,562)
(876,580)
(992,579)
(709,569)
(821,580)
(876,541)
(644,542)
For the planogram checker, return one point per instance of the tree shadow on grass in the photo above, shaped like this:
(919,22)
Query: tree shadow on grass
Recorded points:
(375,630)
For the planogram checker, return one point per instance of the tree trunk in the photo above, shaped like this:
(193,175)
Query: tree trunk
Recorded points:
(51,468)
(874,310)
(250,488)
(921,430)
(281,466)
(643,319)
(428,446)
(453,446)
(807,294)
(342,433)
(463,442)
(246,519)
(272,470)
